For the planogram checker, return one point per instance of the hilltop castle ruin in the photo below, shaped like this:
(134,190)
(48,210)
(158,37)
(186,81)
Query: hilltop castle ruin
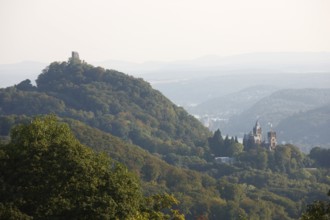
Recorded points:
(74,57)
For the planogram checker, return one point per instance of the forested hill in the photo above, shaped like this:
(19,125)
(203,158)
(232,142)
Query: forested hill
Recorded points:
(112,101)
(256,184)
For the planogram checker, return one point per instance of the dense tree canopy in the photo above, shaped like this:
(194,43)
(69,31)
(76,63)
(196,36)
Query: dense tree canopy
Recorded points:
(318,210)
(47,173)
(221,147)
(321,156)
(112,101)
(261,184)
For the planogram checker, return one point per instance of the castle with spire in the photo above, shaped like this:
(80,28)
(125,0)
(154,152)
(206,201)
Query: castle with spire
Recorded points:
(254,138)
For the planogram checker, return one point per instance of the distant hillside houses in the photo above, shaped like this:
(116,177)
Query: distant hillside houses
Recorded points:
(226,160)
(255,139)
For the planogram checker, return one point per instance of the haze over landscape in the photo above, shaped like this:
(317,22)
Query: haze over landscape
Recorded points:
(141,31)
(203,109)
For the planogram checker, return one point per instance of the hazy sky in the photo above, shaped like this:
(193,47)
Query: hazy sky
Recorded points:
(164,30)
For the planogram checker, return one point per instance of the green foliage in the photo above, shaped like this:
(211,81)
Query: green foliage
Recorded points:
(260,184)
(111,101)
(224,147)
(321,156)
(285,159)
(46,172)
(11,212)
(25,85)
(216,143)
(158,177)
(159,207)
(150,171)
(229,191)
(15,101)
(7,122)
(260,192)
(318,210)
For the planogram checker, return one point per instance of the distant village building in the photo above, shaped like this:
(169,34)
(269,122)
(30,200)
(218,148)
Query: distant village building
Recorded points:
(225,160)
(254,138)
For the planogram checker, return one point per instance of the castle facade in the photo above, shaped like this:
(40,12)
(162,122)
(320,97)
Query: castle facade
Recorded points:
(255,139)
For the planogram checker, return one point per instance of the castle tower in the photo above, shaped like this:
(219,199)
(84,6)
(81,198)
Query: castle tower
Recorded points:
(272,139)
(257,133)
(75,55)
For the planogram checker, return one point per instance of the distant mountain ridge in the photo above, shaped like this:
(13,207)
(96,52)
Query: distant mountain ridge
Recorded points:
(210,65)
(234,103)
(305,129)
(291,112)
(192,82)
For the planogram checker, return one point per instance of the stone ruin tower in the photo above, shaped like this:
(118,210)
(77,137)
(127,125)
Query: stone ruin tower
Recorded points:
(75,55)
